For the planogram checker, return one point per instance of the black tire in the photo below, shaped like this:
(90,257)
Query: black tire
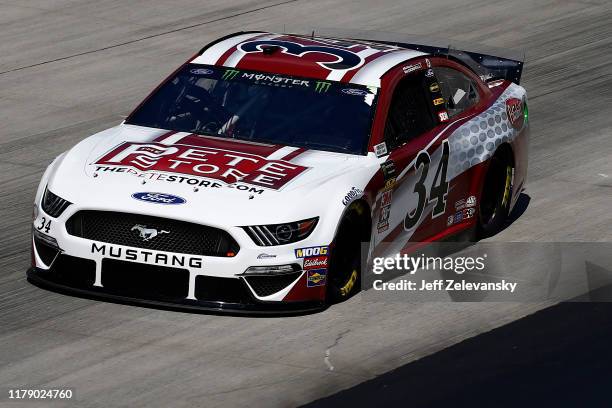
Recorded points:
(494,206)
(344,272)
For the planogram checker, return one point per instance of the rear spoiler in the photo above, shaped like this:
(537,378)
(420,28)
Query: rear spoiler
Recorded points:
(487,62)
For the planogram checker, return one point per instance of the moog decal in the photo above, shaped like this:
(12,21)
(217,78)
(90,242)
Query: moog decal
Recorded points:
(310,251)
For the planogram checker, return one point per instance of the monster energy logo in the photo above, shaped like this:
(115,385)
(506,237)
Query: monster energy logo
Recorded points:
(322,87)
(230,74)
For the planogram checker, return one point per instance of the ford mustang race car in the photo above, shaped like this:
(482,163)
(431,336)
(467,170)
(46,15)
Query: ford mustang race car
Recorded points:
(251,178)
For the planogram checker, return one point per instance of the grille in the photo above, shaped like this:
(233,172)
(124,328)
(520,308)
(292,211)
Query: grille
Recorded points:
(268,285)
(169,235)
(54,205)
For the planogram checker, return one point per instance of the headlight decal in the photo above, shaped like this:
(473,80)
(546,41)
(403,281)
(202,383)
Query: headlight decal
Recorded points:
(281,234)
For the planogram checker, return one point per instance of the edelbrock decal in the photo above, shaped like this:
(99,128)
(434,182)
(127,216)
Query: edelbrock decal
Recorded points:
(315,262)
(158,198)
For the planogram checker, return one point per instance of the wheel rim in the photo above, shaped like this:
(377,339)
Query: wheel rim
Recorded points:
(345,263)
(345,270)
(496,194)
(348,287)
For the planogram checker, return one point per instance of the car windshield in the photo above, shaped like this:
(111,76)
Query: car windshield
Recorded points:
(261,107)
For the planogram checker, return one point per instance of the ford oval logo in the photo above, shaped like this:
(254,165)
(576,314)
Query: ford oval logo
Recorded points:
(353,91)
(159,198)
(201,71)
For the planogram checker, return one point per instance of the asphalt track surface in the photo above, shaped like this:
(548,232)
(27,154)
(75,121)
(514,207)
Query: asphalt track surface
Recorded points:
(557,357)
(71,68)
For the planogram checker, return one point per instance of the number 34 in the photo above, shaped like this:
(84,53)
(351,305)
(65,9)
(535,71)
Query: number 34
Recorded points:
(437,190)
(44,224)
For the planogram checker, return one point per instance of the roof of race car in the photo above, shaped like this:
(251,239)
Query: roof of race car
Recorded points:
(351,61)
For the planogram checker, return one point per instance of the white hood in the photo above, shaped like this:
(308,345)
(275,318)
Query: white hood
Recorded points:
(282,184)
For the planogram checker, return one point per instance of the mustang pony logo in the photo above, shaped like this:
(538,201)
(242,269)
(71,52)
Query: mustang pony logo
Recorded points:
(203,161)
(147,234)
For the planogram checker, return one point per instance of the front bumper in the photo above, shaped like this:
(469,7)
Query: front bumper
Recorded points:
(162,287)
(69,263)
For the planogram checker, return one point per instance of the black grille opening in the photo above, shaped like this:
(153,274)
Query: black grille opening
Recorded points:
(73,271)
(268,285)
(54,205)
(159,234)
(46,252)
(215,289)
(144,281)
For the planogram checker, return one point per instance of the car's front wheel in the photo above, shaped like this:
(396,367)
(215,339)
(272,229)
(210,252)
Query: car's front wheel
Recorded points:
(344,272)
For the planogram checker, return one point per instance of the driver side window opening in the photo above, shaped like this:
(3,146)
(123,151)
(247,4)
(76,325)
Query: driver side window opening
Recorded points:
(410,113)
(459,91)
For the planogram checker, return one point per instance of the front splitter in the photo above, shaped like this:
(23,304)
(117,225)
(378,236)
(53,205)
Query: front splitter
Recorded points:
(185,305)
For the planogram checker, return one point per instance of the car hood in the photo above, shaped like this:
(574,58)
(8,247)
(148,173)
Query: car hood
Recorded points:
(221,181)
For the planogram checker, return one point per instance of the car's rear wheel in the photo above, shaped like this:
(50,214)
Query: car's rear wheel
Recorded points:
(496,194)
(344,272)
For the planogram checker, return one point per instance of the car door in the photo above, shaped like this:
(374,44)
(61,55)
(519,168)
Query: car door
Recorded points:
(427,106)
(411,189)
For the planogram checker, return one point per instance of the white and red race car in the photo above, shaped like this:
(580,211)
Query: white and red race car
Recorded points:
(249,179)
